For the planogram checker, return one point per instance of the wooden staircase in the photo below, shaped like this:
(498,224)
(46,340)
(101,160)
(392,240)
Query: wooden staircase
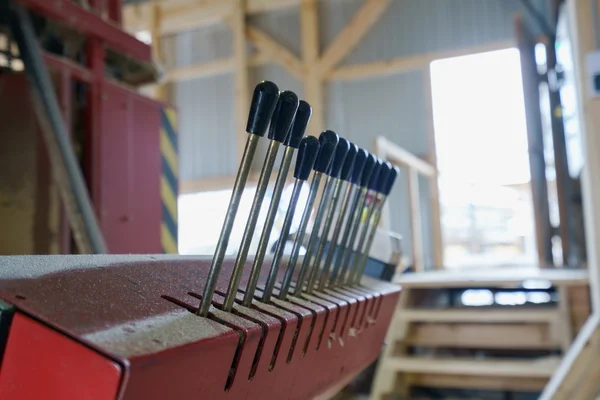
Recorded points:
(493,347)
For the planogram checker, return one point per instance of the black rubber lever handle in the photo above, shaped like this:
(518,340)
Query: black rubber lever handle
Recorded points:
(338,158)
(263,104)
(375,175)
(308,150)
(328,141)
(349,162)
(283,116)
(391,180)
(384,173)
(359,165)
(299,126)
(364,178)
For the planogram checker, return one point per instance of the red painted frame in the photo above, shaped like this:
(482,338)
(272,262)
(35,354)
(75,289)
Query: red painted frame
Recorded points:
(102,27)
(92,25)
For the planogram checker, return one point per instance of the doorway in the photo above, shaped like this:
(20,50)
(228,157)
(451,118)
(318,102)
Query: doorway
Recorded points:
(482,156)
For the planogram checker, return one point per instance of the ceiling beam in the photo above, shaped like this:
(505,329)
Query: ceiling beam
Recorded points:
(352,33)
(276,52)
(408,63)
(313,82)
(184,15)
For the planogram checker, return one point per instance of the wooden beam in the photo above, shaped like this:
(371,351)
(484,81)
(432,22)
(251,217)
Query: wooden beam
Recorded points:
(416,224)
(178,18)
(211,68)
(352,33)
(408,63)
(434,189)
(242,90)
(186,15)
(276,52)
(313,84)
(574,371)
(158,91)
(582,24)
(262,6)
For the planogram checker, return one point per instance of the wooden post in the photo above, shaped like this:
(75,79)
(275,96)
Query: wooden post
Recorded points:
(160,90)
(414,203)
(241,91)
(434,190)
(574,370)
(313,81)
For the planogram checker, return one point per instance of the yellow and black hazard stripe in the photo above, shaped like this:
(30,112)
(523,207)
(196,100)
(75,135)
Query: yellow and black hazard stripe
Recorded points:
(168,180)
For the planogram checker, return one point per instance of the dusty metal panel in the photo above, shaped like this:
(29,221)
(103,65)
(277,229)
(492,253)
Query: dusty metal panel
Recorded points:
(18,168)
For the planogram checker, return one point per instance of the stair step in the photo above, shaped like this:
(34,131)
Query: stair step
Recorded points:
(528,368)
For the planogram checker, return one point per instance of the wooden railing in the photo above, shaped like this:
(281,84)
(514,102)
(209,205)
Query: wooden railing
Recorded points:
(412,166)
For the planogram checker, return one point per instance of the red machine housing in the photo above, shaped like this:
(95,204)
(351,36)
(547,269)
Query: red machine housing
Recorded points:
(123,327)
(122,161)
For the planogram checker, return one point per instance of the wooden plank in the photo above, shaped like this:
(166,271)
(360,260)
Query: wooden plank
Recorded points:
(494,277)
(538,336)
(185,15)
(408,63)
(385,379)
(575,363)
(566,327)
(158,91)
(582,33)
(241,91)
(416,231)
(262,6)
(434,190)
(479,382)
(217,67)
(523,315)
(352,33)
(399,156)
(276,52)
(536,368)
(313,83)
(212,68)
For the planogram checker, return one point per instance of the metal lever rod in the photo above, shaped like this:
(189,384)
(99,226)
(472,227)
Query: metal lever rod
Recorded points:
(349,203)
(307,155)
(298,128)
(328,143)
(367,177)
(263,103)
(331,198)
(377,187)
(281,122)
(364,253)
(345,176)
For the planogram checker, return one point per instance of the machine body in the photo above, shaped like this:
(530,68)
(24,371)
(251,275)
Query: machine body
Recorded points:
(124,327)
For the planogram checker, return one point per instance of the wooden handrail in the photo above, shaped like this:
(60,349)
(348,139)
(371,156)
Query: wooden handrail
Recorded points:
(401,157)
(414,166)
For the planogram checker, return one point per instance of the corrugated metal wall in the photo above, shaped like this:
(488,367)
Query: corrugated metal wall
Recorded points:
(393,106)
